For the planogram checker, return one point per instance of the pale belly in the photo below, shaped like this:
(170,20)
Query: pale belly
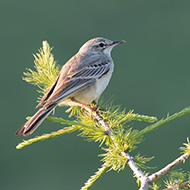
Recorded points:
(92,93)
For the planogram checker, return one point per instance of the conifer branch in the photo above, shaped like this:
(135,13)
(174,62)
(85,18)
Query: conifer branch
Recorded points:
(93,178)
(147,180)
(138,117)
(107,128)
(137,171)
(46,69)
(167,168)
(47,136)
(144,179)
(75,125)
(149,128)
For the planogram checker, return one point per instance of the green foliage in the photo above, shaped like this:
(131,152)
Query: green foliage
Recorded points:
(177,174)
(94,177)
(186,149)
(116,116)
(155,186)
(178,179)
(113,158)
(126,137)
(47,136)
(166,120)
(46,69)
(141,161)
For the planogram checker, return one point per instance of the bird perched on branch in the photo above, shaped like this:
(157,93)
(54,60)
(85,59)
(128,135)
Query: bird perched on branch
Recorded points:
(80,82)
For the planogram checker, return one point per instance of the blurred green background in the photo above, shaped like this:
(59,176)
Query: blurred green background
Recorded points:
(152,76)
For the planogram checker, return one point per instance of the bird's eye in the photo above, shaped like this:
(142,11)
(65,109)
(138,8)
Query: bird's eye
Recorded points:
(101,44)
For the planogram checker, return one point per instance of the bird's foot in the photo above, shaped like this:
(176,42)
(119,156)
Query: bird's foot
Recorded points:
(89,109)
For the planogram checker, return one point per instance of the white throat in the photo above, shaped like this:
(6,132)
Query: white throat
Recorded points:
(107,50)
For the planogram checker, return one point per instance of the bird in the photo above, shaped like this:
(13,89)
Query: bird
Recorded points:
(80,82)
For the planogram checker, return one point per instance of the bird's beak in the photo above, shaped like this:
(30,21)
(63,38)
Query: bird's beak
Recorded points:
(118,42)
(109,47)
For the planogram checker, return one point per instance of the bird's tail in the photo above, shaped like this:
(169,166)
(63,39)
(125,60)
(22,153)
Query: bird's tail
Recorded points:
(31,125)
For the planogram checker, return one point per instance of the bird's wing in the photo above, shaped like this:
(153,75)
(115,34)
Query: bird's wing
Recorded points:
(79,80)
(48,93)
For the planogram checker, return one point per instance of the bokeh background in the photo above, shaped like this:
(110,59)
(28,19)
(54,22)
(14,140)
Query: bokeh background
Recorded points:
(152,76)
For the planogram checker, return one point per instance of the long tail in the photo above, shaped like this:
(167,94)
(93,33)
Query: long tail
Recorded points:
(31,125)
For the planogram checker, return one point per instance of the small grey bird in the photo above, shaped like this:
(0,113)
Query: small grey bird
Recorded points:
(80,82)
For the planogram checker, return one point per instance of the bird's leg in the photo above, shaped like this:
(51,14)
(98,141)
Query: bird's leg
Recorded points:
(82,109)
(95,104)
(84,106)
(95,107)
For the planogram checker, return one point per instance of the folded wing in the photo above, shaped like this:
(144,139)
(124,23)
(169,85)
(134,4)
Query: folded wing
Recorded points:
(75,81)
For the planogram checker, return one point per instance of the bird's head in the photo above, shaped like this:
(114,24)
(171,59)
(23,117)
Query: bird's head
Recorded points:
(99,45)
